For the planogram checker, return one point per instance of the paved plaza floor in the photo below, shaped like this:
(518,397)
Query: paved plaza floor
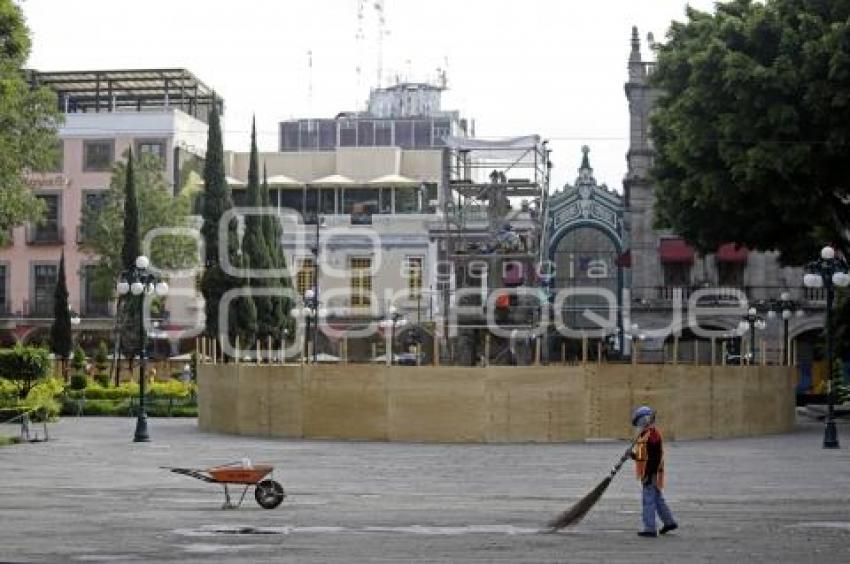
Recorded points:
(91,495)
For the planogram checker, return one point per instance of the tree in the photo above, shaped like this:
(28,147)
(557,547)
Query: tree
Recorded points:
(273,234)
(29,118)
(752,129)
(254,244)
(140,194)
(215,201)
(61,340)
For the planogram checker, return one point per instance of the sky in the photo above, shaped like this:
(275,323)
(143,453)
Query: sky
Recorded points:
(550,67)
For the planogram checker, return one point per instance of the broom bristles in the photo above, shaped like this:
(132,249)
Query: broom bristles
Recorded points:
(577,512)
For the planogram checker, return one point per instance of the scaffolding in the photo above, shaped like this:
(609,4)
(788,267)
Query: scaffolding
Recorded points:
(492,237)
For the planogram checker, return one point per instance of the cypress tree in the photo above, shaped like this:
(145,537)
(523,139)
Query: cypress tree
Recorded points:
(273,236)
(61,340)
(215,201)
(254,246)
(129,251)
(131,248)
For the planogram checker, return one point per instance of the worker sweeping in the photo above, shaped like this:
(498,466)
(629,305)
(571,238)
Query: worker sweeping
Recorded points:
(648,454)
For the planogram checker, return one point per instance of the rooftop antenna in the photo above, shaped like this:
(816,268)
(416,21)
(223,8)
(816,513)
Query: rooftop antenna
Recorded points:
(310,81)
(358,38)
(382,24)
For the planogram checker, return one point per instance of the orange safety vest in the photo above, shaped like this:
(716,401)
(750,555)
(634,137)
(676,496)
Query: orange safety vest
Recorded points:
(641,456)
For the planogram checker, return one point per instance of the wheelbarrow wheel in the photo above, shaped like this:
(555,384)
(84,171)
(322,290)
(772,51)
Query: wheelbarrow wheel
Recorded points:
(269,494)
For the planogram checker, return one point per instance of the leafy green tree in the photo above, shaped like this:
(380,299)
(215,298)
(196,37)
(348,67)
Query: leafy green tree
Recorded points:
(61,340)
(752,128)
(29,118)
(139,199)
(24,366)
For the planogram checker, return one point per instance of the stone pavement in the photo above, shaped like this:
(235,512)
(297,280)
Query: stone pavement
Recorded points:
(91,495)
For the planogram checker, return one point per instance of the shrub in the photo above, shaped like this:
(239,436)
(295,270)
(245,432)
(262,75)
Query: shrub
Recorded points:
(101,358)
(24,366)
(42,397)
(102,380)
(171,389)
(78,381)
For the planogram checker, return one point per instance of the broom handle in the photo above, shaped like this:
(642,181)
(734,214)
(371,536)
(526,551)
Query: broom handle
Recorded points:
(627,454)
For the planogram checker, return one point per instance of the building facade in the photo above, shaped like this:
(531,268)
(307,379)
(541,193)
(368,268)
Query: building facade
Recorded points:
(161,112)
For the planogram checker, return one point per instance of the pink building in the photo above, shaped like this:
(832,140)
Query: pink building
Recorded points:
(162,111)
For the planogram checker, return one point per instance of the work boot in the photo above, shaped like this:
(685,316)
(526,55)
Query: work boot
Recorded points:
(649,534)
(667,528)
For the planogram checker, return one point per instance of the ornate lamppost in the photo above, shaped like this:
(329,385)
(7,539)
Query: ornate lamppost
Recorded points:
(393,320)
(785,307)
(828,272)
(139,282)
(309,312)
(750,322)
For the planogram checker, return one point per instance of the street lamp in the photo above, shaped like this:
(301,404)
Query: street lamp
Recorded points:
(392,321)
(750,322)
(135,283)
(310,311)
(785,306)
(828,272)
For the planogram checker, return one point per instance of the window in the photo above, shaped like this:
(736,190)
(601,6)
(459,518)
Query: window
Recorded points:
(155,147)
(404,134)
(289,136)
(93,200)
(309,131)
(327,201)
(306,275)
(406,200)
(386,203)
(292,199)
(98,155)
(361,281)
(365,133)
(422,133)
(327,134)
(48,231)
(360,200)
(442,129)
(347,133)
(677,274)
(44,284)
(361,204)
(93,305)
(414,277)
(383,133)
(4,282)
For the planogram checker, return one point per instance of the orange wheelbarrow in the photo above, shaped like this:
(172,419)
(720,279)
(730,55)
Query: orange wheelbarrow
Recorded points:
(268,493)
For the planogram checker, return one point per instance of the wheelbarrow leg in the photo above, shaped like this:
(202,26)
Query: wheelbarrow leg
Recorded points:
(243,496)
(227,503)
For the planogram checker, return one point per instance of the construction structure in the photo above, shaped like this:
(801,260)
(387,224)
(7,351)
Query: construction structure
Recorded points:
(491,238)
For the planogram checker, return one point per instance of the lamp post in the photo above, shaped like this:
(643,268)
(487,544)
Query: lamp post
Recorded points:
(785,306)
(309,312)
(828,272)
(393,320)
(138,282)
(750,322)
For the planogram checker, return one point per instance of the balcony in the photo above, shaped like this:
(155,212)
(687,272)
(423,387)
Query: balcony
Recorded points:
(42,309)
(97,309)
(46,234)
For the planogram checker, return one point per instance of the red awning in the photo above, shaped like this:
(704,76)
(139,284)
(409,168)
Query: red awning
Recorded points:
(729,252)
(676,250)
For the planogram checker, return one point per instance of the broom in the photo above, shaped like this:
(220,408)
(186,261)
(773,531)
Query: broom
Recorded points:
(577,512)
